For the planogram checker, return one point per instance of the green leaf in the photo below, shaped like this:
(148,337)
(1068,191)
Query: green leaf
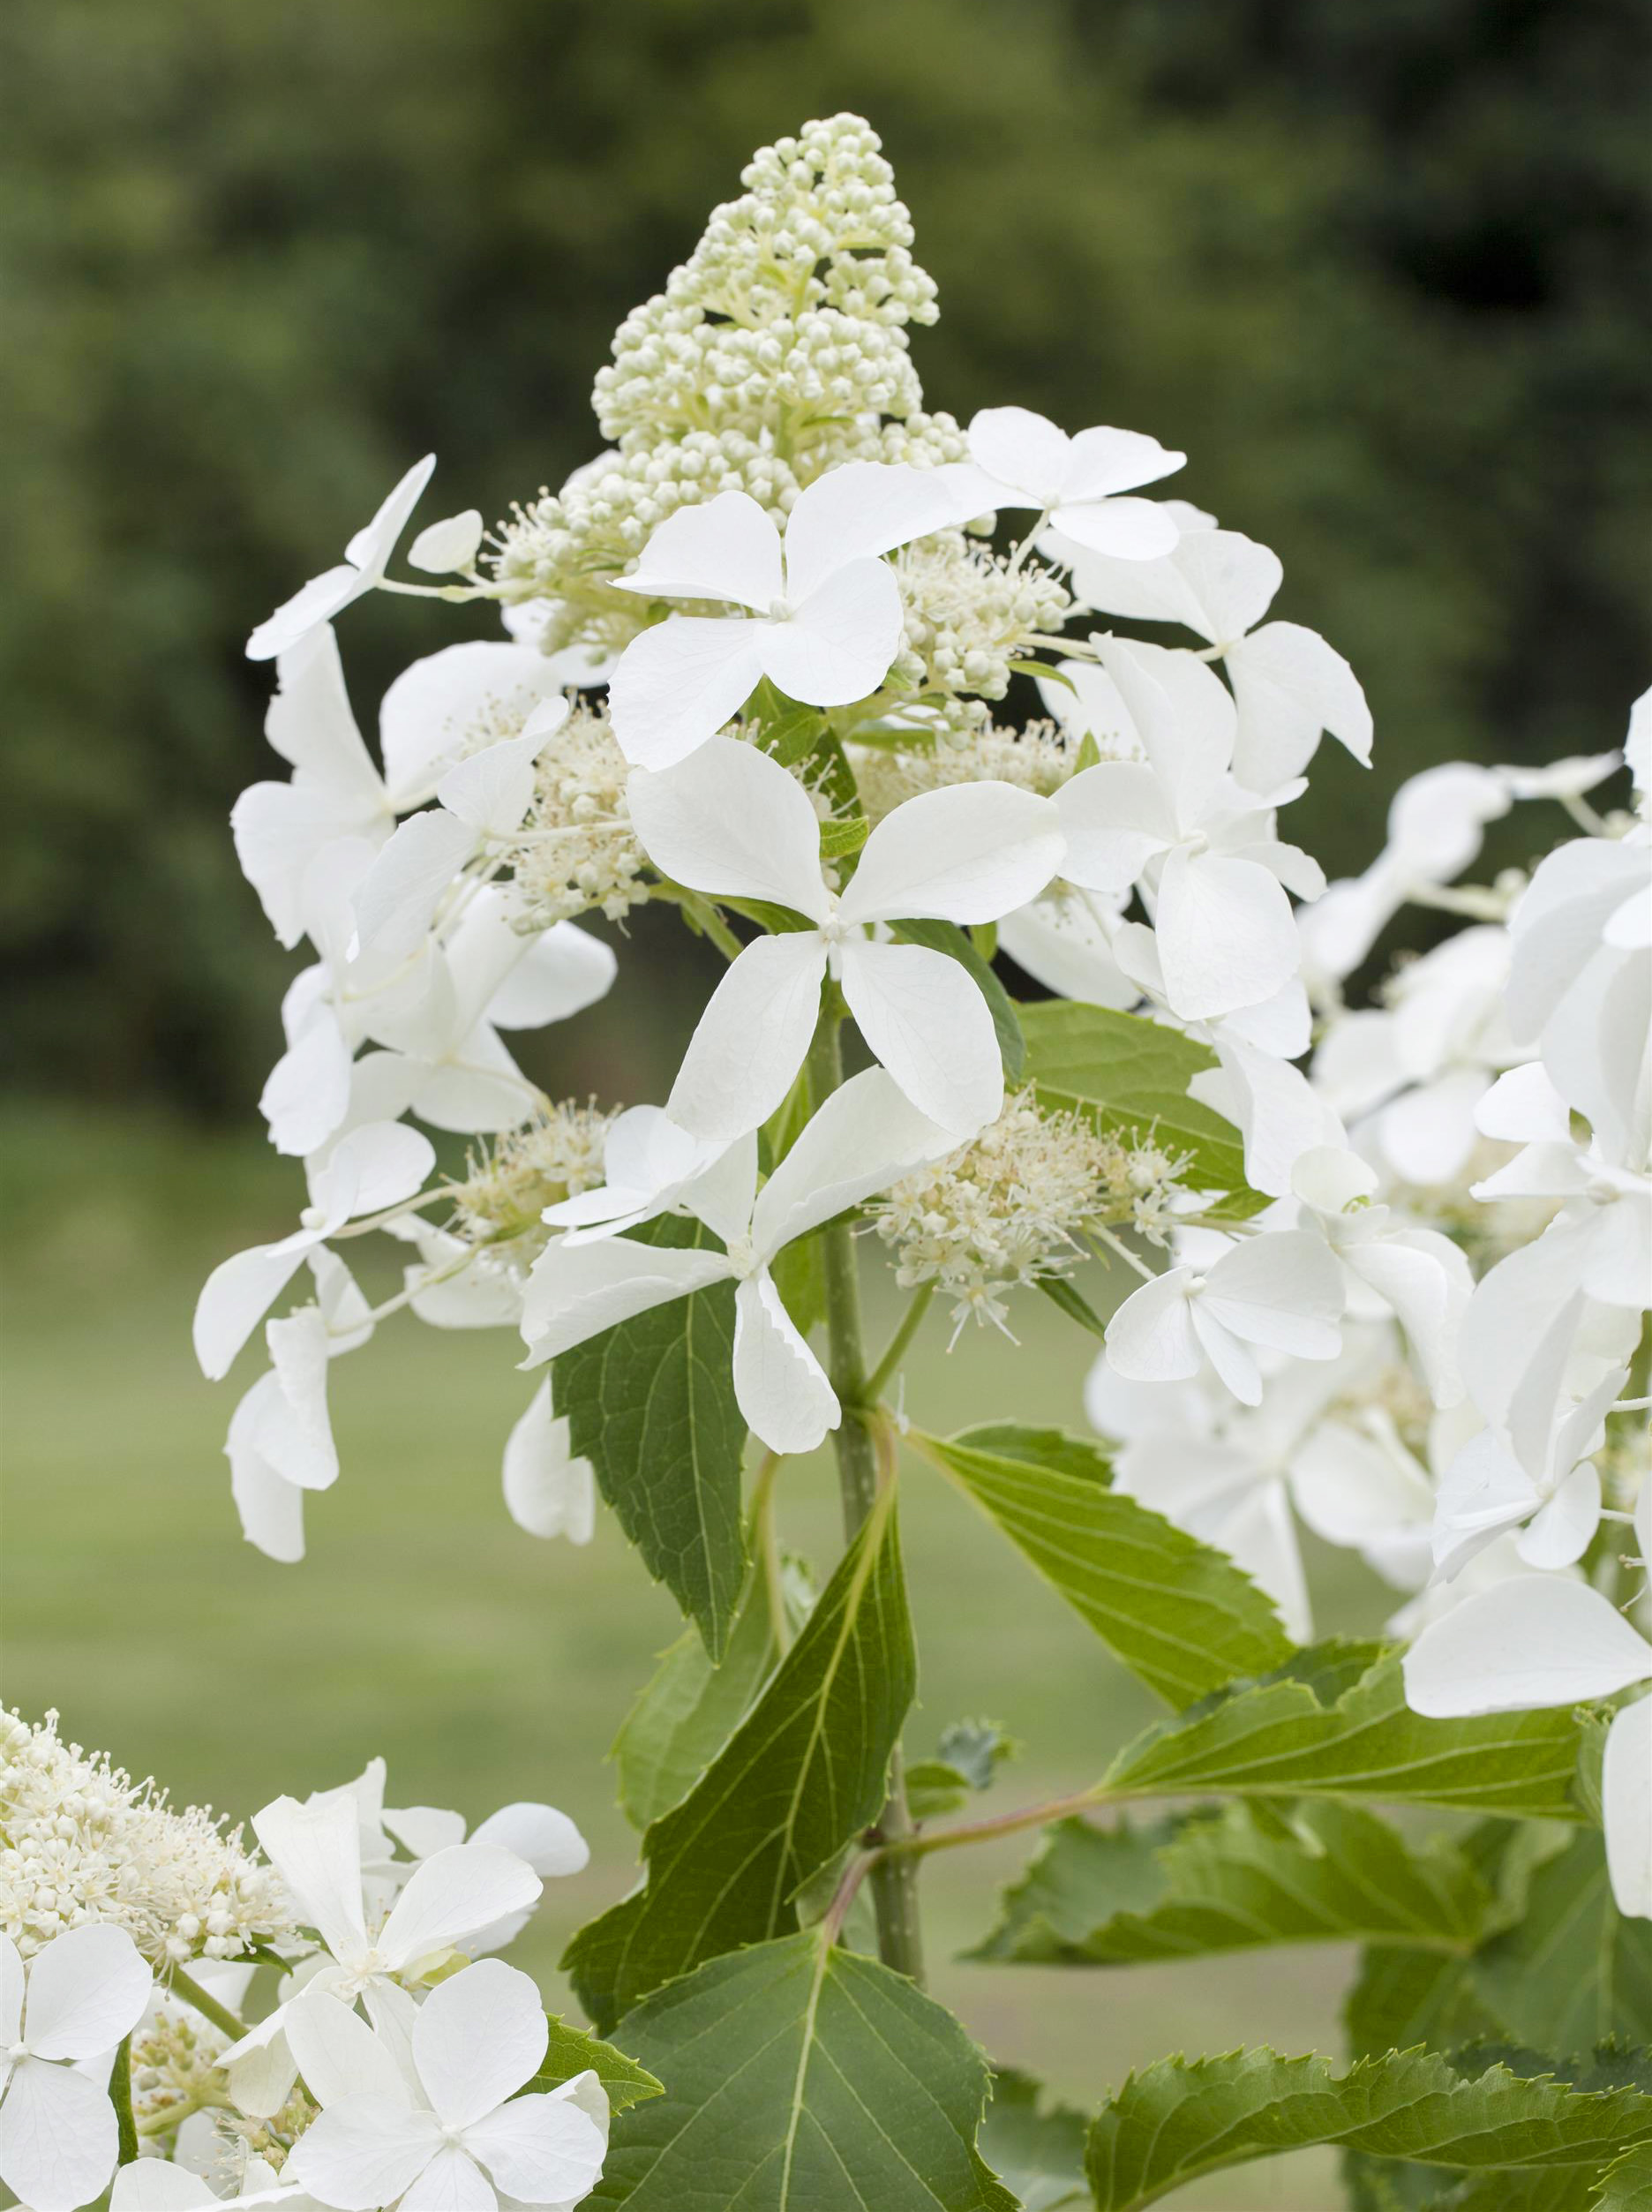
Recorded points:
(1072,1302)
(687,1712)
(1333,1722)
(946,936)
(966,1761)
(839,838)
(1232,1880)
(935,1787)
(651,1405)
(570,2051)
(1572,1971)
(1131,1075)
(1626,2185)
(1186,2118)
(803,1772)
(1037,2151)
(802,2078)
(1178,1613)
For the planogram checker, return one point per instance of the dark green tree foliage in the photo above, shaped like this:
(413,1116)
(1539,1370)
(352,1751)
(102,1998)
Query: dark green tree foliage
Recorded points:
(1382,267)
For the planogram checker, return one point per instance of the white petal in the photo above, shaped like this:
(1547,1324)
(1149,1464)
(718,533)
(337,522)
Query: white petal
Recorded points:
(374,544)
(788,1404)
(726,548)
(1277,1110)
(1226,936)
(493,789)
(86,1988)
(1626,1794)
(1289,685)
(236,1295)
(309,722)
(865,1135)
(1352,1490)
(1123,529)
(562,972)
(382,1163)
(311,605)
(1428,1133)
(396,906)
(1116,817)
(1184,717)
(154,2184)
(547,1490)
(261,2069)
(677,683)
(1150,1338)
(729,820)
(1523,1107)
(364,2153)
(839,641)
(58,2138)
(1283,1290)
(298,1443)
(860,509)
(969,853)
(545,1838)
(1217,581)
(540,2149)
(752,1038)
(1104,461)
(1063,943)
(308,1093)
(1560,1533)
(431,709)
(1024,451)
(1426,1281)
(1227,1353)
(444,548)
(279,830)
(576,1292)
(451,1895)
(478,2037)
(923,1016)
(1534,1640)
(338,2054)
(316,1848)
(723,1193)
(452,2182)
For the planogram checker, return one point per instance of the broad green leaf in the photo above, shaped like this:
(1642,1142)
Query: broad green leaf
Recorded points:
(1178,1613)
(689,1709)
(935,1787)
(651,1405)
(1626,2185)
(1129,1074)
(1403,1997)
(1184,2117)
(1036,2150)
(803,1772)
(1572,1971)
(966,1761)
(1230,1881)
(1072,1302)
(570,2051)
(800,2077)
(1333,1722)
(837,839)
(946,936)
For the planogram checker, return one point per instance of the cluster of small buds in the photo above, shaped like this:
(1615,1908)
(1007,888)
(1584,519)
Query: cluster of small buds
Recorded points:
(1145,1188)
(272,2140)
(511,1183)
(969,613)
(1036,758)
(1011,1207)
(578,853)
(175,2071)
(81,1840)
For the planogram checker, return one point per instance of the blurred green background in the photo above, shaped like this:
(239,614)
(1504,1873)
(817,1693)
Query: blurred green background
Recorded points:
(1384,268)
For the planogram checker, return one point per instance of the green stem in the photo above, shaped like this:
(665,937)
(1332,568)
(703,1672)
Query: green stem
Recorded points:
(121,2096)
(899,1344)
(768,1539)
(895,1879)
(191,1993)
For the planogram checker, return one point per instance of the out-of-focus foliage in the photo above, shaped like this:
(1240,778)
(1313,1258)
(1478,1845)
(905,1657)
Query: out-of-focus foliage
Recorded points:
(1380,265)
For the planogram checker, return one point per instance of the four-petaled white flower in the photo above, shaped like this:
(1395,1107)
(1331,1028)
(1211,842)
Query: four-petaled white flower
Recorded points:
(367,556)
(863,1139)
(730,822)
(1020,459)
(1205,852)
(1550,1640)
(438,2122)
(1280,1291)
(1534,1472)
(77,1997)
(1288,685)
(824,620)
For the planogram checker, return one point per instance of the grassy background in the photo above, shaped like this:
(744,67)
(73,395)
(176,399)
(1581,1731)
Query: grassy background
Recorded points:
(483,1665)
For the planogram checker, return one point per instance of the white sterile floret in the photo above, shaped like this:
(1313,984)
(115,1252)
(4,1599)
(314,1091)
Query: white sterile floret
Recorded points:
(1008,1209)
(730,821)
(1206,851)
(367,558)
(81,1842)
(1279,1292)
(452,544)
(70,2005)
(549,1491)
(436,2118)
(1020,459)
(863,1138)
(823,616)
(1288,685)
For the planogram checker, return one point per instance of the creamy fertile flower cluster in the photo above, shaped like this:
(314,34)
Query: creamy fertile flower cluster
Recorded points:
(757,652)
(134,2060)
